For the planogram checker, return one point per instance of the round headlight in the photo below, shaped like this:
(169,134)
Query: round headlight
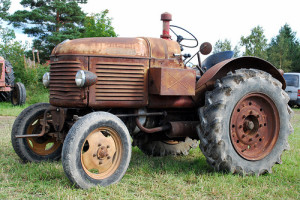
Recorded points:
(80,78)
(46,79)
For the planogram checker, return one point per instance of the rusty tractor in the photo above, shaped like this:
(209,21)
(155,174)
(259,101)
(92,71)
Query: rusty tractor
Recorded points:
(107,94)
(9,90)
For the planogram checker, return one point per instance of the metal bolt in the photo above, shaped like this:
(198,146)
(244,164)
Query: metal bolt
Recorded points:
(250,125)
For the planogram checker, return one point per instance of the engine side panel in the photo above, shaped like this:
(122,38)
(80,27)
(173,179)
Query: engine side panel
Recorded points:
(121,82)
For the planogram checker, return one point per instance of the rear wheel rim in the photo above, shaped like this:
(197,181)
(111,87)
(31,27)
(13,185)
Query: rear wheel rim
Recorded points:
(101,153)
(254,126)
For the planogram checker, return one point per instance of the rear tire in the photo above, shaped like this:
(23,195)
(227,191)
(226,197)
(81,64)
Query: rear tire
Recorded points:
(165,148)
(97,150)
(9,80)
(245,123)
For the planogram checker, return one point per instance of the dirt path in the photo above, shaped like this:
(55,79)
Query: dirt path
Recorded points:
(6,121)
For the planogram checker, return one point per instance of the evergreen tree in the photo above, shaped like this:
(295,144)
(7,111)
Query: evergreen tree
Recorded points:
(284,50)
(255,43)
(50,22)
(4,6)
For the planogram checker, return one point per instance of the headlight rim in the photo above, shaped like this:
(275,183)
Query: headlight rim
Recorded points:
(80,81)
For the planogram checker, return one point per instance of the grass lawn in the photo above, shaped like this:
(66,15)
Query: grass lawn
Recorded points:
(183,177)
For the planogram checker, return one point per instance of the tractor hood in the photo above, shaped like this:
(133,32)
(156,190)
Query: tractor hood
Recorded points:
(118,47)
(106,46)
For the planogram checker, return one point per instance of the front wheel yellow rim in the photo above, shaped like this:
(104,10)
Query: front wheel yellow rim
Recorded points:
(101,153)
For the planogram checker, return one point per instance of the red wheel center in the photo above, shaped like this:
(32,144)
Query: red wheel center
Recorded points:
(254,126)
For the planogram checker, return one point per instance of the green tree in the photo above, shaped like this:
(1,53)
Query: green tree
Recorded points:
(255,44)
(226,46)
(12,50)
(50,22)
(284,50)
(222,46)
(98,25)
(4,6)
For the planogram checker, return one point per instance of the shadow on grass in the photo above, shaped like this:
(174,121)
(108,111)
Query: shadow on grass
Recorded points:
(193,163)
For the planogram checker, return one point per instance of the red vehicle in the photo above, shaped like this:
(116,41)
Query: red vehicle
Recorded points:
(9,90)
(106,92)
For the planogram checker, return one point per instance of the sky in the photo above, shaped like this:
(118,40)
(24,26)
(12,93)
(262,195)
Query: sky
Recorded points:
(208,20)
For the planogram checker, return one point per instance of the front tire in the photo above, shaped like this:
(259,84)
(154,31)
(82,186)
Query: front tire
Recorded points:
(245,123)
(34,149)
(18,94)
(97,150)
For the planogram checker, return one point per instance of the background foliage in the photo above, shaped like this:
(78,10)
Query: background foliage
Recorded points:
(283,51)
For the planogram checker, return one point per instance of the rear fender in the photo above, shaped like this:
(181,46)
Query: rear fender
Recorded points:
(207,81)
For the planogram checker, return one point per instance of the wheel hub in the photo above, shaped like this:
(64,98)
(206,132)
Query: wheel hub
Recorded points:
(44,145)
(102,152)
(254,126)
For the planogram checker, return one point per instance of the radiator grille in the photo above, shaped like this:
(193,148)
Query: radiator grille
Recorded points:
(62,80)
(120,82)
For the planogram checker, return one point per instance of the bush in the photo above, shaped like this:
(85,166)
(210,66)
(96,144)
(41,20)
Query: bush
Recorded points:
(31,77)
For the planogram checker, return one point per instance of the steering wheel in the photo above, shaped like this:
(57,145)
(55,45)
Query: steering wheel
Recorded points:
(180,38)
